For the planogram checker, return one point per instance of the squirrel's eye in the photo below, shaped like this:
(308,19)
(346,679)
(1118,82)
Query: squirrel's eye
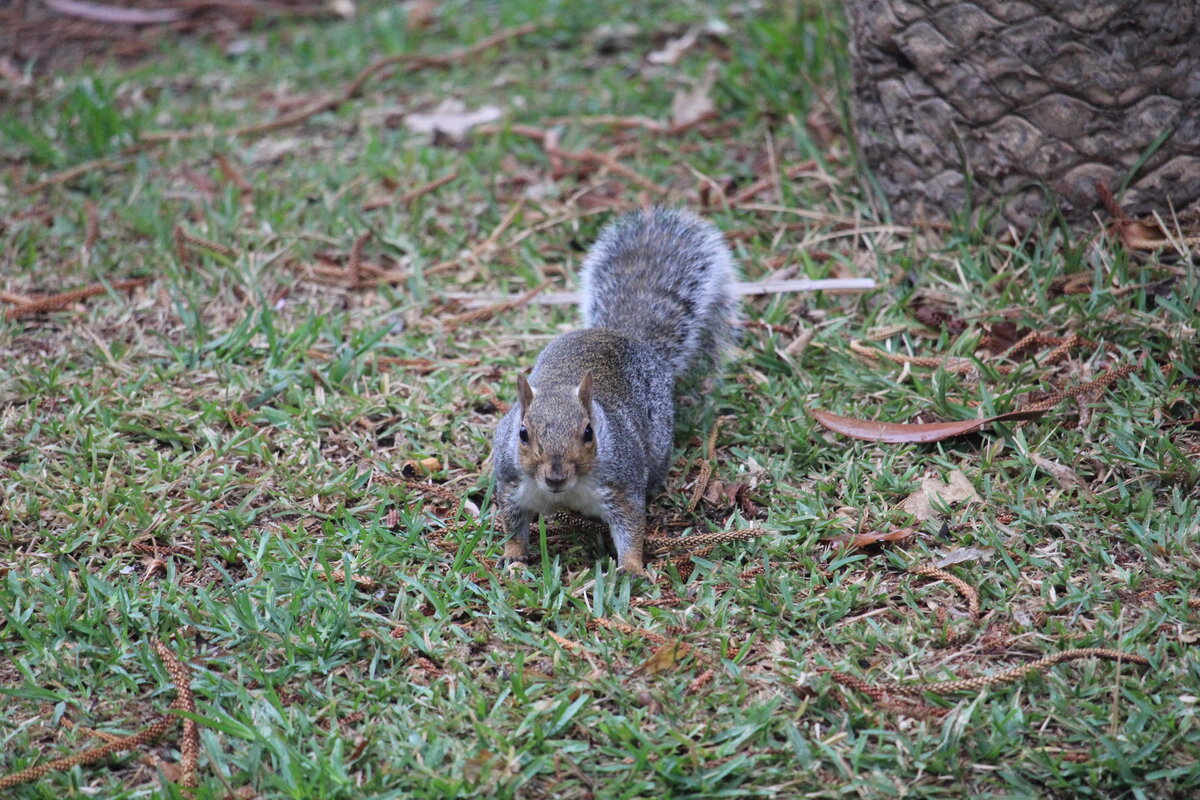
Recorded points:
(587,433)
(524,434)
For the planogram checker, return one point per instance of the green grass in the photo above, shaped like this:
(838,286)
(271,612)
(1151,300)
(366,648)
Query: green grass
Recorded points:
(176,463)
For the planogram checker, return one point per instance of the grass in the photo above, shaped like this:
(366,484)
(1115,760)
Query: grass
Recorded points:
(177,462)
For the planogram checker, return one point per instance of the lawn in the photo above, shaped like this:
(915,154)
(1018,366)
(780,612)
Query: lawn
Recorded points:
(262,439)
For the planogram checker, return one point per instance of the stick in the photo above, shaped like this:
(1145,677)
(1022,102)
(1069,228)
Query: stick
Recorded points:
(62,300)
(414,62)
(846,285)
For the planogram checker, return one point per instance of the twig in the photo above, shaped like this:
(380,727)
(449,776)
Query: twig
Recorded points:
(706,466)
(421,366)
(354,266)
(91,226)
(15,299)
(232,174)
(183,239)
(659,545)
(964,588)
(408,198)
(1016,673)
(548,141)
(701,485)
(611,121)
(413,63)
(63,299)
(817,216)
(486,312)
(762,184)
(883,693)
(190,746)
(491,240)
(610,162)
(743,289)
(116,15)
(71,173)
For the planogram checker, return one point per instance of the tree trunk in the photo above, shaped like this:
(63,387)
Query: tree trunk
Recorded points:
(1022,106)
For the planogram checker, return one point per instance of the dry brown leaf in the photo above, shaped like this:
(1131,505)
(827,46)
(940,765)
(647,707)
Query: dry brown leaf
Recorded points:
(856,541)
(937,318)
(958,491)
(722,494)
(663,659)
(689,106)
(419,14)
(531,674)
(798,345)
(674,49)
(727,496)
(418,468)
(897,432)
(1000,338)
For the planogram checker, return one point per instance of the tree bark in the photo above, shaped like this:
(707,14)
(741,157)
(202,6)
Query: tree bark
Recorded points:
(1022,106)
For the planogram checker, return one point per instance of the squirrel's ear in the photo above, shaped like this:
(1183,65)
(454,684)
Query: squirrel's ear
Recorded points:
(524,392)
(584,392)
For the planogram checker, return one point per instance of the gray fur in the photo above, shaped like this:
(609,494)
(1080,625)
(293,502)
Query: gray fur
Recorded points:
(664,277)
(657,298)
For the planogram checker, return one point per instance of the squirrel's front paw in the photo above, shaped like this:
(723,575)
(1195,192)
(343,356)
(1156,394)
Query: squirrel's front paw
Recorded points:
(632,566)
(511,564)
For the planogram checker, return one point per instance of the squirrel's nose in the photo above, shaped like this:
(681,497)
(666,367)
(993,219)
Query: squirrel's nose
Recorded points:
(556,477)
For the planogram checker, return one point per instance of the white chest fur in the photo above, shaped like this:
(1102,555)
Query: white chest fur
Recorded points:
(585,497)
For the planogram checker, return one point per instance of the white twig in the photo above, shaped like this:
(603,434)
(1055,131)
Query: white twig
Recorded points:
(763,287)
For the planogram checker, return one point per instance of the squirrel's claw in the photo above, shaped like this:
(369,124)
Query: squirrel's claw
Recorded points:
(633,568)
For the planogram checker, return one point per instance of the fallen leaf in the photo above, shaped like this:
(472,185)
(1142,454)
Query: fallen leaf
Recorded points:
(750,509)
(9,72)
(452,119)
(898,432)
(419,14)
(723,495)
(797,345)
(673,50)
(1066,477)
(960,555)
(938,318)
(1001,337)
(726,496)
(957,491)
(416,468)
(663,659)
(1141,235)
(689,106)
(855,541)
(1075,283)
(822,125)
(1135,234)
(612,39)
(343,8)
(475,767)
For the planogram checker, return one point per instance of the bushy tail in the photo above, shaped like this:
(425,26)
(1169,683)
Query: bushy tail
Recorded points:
(664,277)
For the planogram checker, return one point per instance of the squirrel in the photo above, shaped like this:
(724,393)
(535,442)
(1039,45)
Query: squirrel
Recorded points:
(593,425)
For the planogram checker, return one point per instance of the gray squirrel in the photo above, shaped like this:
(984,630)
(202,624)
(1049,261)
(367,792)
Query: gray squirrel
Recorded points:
(592,428)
